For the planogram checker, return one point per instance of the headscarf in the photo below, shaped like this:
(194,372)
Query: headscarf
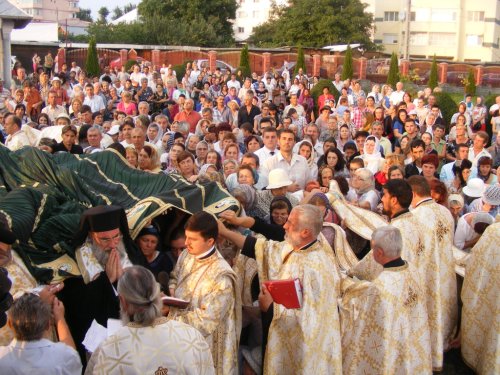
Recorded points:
(249,193)
(310,161)
(372,161)
(171,140)
(205,167)
(158,137)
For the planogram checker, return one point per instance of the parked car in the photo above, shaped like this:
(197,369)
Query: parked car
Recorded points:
(223,66)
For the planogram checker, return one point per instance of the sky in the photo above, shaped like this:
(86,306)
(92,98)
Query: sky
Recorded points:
(95,5)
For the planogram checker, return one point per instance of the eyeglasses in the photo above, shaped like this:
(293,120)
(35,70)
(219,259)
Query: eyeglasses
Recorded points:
(107,240)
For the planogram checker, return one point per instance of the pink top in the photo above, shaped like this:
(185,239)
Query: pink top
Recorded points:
(129,110)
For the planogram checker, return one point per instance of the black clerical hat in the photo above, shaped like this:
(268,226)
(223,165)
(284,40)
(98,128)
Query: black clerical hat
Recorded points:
(102,218)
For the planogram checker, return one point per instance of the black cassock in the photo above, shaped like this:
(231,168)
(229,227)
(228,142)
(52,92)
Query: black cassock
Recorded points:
(85,302)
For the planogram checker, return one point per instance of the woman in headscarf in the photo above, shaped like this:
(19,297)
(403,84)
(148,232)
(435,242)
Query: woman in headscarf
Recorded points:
(154,134)
(191,141)
(306,149)
(201,153)
(371,155)
(148,241)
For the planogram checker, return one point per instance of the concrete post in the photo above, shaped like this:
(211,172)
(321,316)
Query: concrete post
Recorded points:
(443,72)
(266,62)
(405,67)
(155,57)
(212,58)
(316,65)
(363,65)
(123,56)
(7,26)
(479,71)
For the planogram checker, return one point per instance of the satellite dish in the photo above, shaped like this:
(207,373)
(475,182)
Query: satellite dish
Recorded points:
(402,16)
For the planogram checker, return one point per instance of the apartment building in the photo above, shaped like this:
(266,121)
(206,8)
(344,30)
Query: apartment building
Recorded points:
(459,30)
(63,12)
(250,14)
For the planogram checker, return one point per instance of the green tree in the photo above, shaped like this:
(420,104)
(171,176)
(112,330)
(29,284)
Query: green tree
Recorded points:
(301,61)
(347,69)
(84,15)
(433,77)
(470,87)
(92,62)
(393,76)
(117,13)
(316,23)
(245,62)
(197,22)
(129,7)
(103,14)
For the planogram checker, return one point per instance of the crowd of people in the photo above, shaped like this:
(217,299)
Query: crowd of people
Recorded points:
(364,197)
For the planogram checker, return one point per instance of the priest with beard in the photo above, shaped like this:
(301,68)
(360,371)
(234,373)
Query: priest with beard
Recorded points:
(297,341)
(104,249)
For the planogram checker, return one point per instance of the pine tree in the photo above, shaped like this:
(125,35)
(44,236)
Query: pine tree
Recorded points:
(245,62)
(470,88)
(347,70)
(433,77)
(393,76)
(92,62)
(301,62)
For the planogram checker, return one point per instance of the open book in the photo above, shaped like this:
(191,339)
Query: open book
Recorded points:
(175,302)
(286,292)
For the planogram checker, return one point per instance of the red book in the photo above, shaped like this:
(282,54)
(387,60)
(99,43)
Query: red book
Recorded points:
(286,292)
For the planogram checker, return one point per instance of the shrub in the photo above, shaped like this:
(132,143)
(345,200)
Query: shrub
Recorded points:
(347,69)
(245,62)
(301,62)
(470,87)
(447,106)
(393,76)
(92,62)
(433,77)
(129,64)
(317,90)
(180,69)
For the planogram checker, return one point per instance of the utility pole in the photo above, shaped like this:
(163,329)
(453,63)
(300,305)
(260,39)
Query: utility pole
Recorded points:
(406,53)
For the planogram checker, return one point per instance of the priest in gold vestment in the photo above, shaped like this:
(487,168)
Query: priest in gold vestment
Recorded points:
(304,340)
(384,322)
(149,343)
(22,280)
(440,279)
(480,329)
(204,278)
(418,250)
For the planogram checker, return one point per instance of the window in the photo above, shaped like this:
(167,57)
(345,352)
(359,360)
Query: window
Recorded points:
(443,15)
(419,39)
(255,13)
(474,40)
(390,39)
(391,16)
(242,14)
(442,39)
(241,30)
(420,15)
(475,16)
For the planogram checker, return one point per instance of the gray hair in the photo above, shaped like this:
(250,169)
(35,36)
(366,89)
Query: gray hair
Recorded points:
(388,238)
(96,127)
(143,104)
(310,217)
(183,127)
(139,289)
(30,317)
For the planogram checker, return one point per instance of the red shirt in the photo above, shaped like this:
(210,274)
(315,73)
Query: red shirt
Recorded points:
(192,118)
